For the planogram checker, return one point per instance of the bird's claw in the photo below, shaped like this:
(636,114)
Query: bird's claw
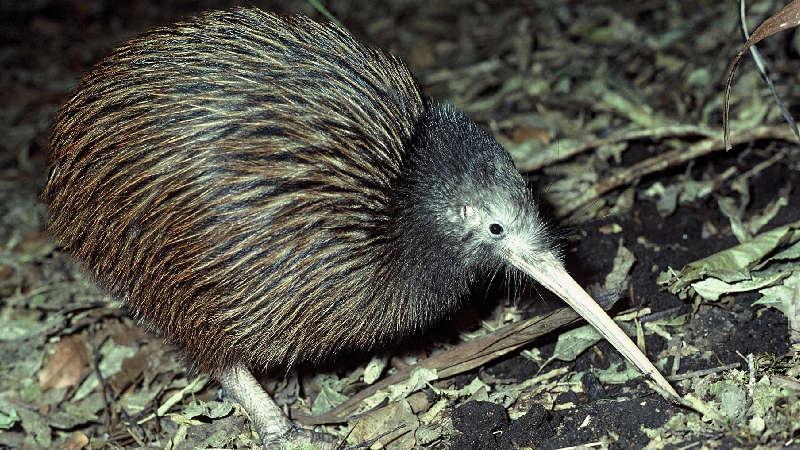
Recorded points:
(297,438)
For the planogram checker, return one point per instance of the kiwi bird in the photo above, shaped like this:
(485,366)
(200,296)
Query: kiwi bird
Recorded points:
(265,191)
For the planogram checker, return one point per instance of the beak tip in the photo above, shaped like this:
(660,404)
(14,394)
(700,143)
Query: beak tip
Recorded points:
(550,273)
(659,384)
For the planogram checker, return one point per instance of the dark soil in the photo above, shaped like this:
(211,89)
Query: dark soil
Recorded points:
(728,331)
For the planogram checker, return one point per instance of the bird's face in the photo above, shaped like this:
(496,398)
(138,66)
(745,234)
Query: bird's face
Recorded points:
(476,199)
(493,215)
(467,194)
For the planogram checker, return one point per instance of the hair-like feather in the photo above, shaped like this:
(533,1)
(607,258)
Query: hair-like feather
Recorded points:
(268,190)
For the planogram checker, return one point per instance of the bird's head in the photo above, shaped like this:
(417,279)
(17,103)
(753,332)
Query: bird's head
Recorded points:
(464,190)
(467,210)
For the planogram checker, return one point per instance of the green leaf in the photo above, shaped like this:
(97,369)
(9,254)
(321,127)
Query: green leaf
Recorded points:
(8,415)
(22,328)
(712,288)
(327,399)
(790,253)
(731,265)
(623,261)
(636,111)
(191,388)
(73,414)
(785,298)
(419,378)
(574,342)
(617,373)
(113,355)
(212,410)
(375,368)
(36,427)
(476,385)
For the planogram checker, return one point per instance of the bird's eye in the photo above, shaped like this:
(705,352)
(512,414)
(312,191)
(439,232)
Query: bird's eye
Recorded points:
(466,211)
(496,229)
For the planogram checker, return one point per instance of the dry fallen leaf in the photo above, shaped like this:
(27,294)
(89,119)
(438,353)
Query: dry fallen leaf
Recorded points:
(67,365)
(526,133)
(132,369)
(76,441)
(785,19)
(5,271)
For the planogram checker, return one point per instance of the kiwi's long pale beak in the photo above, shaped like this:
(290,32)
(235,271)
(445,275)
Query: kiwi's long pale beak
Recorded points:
(550,273)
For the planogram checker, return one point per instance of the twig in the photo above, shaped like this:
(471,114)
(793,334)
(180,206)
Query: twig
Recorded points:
(193,386)
(446,75)
(794,317)
(658,315)
(666,160)
(760,167)
(556,153)
(688,446)
(786,18)
(751,380)
(786,382)
(110,416)
(587,445)
(135,437)
(461,358)
(763,70)
(702,373)
(676,359)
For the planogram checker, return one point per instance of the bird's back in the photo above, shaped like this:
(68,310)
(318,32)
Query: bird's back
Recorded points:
(229,178)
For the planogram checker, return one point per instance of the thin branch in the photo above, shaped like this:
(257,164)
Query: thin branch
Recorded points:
(763,70)
(461,358)
(666,160)
(785,19)
(702,373)
(556,153)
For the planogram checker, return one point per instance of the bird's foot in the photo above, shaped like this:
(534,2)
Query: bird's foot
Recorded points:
(277,432)
(297,438)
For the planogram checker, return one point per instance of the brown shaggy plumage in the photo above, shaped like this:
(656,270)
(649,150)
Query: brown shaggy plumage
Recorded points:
(230,178)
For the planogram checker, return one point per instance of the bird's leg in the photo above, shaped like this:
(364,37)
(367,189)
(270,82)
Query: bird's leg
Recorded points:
(274,428)
(267,417)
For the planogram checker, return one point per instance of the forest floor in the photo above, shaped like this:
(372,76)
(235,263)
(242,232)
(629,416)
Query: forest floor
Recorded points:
(613,111)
